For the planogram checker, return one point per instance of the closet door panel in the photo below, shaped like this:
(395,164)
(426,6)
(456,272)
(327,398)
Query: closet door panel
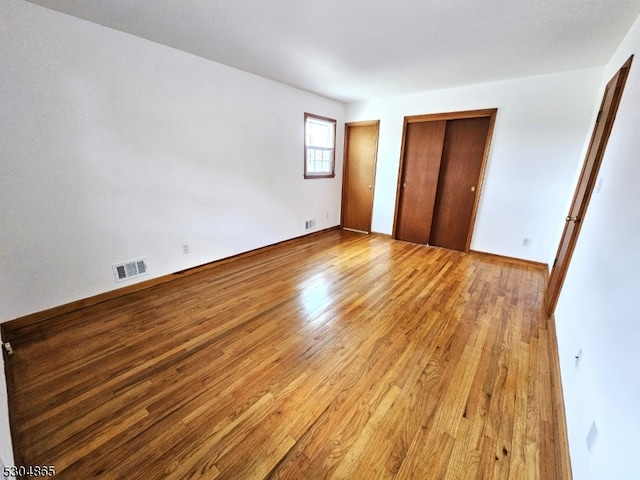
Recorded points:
(462,159)
(423,146)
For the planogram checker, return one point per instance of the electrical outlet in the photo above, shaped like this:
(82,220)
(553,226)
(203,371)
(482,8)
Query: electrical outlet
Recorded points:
(526,242)
(592,436)
(185,248)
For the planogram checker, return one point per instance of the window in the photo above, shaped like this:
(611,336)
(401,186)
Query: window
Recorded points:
(319,146)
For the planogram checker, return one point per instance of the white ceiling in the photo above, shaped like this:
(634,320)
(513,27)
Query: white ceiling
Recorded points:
(357,49)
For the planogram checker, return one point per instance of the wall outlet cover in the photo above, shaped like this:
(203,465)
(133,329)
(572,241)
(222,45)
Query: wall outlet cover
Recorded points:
(592,436)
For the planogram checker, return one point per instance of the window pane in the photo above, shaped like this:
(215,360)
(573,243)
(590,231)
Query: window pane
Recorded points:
(319,146)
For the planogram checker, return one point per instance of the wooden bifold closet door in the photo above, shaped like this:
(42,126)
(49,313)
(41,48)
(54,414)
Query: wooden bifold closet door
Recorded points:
(441,170)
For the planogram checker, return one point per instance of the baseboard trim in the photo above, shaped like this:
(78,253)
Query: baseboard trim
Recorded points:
(563,458)
(513,259)
(10,326)
(384,235)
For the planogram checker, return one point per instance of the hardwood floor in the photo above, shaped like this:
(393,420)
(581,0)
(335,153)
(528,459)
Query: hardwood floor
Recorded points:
(335,356)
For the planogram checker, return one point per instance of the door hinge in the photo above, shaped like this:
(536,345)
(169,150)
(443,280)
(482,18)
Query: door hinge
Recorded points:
(598,117)
(7,347)
(554,263)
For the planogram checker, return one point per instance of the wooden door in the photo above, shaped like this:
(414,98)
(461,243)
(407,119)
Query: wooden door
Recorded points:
(419,199)
(586,183)
(462,160)
(422,149)
(361,150)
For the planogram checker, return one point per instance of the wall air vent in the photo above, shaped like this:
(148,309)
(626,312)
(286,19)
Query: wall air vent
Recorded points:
(134,268)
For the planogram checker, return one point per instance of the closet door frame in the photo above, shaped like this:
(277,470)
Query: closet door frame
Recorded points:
(491,113)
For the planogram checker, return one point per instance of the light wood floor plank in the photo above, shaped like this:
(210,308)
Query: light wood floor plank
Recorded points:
(335,356)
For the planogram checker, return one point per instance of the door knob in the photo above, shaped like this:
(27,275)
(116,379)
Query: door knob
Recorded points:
(369,187)
(404,185)
(573,219)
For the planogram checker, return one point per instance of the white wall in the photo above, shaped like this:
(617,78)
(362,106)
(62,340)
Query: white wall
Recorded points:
(599,307)
(115,148)
(537,145)
(6,452)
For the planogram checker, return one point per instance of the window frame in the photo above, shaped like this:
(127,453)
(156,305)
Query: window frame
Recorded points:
(327,174)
